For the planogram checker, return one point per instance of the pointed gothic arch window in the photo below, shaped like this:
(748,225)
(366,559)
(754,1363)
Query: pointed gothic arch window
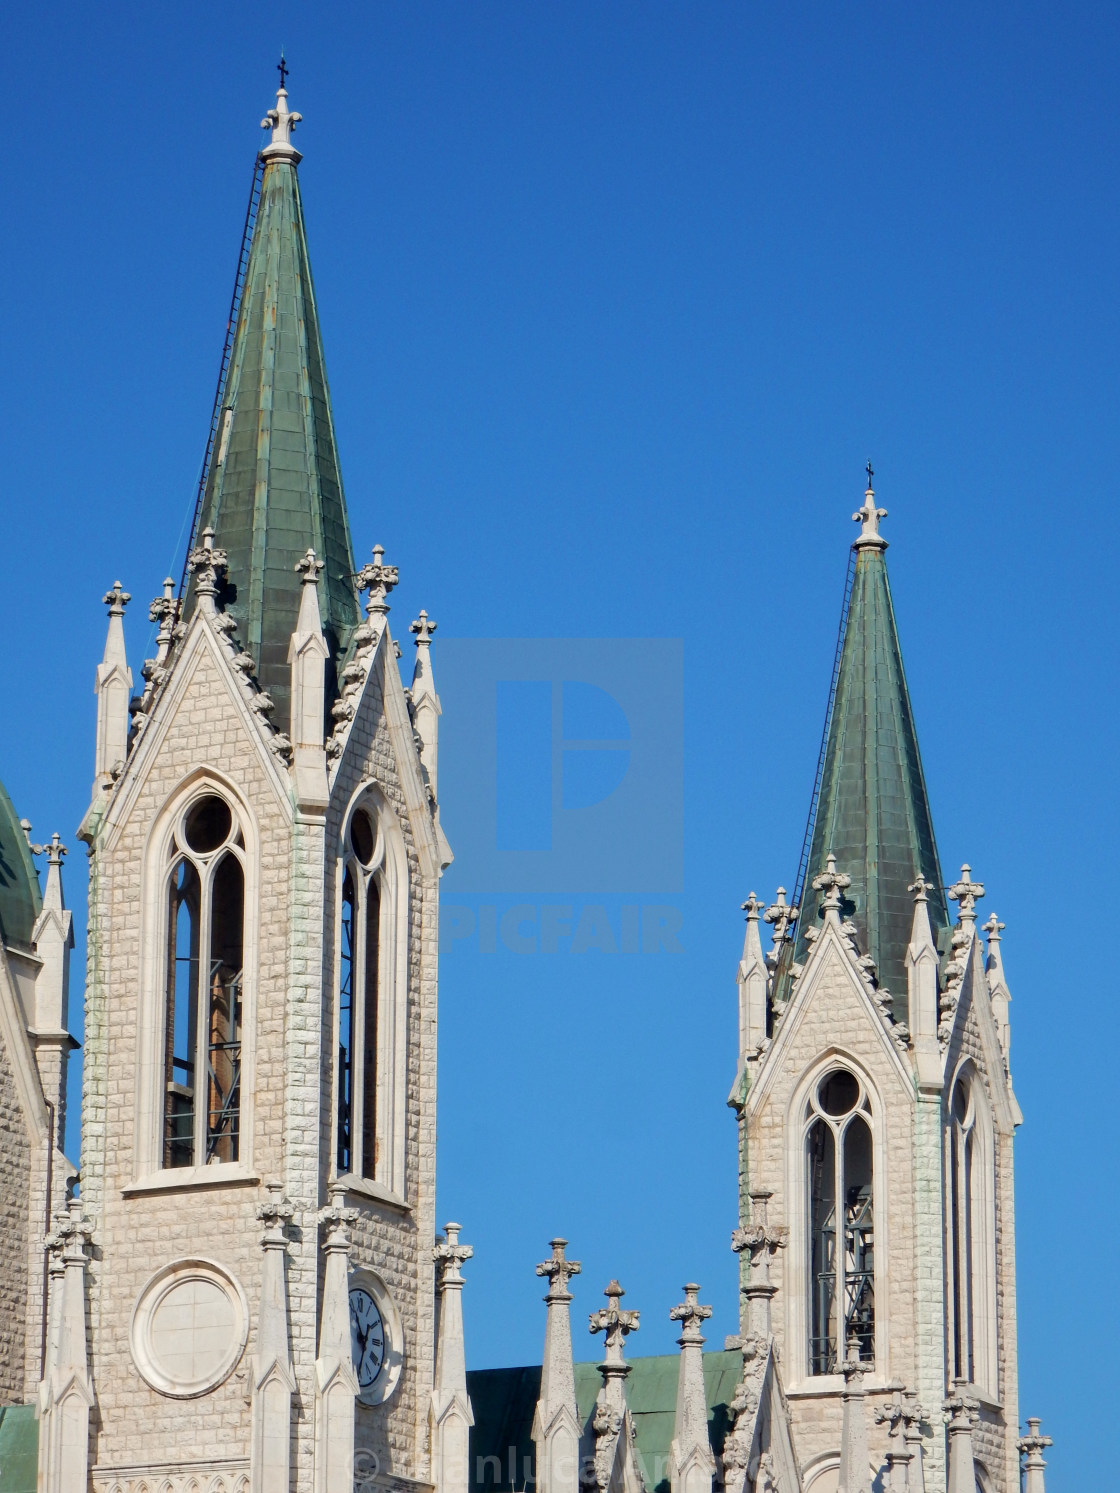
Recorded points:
(840,1181)
(204,986)
(371,1072)
(971,1230)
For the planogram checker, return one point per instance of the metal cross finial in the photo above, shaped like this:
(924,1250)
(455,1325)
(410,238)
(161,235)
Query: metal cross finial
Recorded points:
(282,69)
(559,1271)
(870,473)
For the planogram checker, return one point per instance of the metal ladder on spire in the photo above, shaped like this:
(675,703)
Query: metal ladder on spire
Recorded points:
(785,956)
(227,353)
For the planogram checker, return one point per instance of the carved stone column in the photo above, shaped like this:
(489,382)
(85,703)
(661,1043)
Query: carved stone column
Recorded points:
(614,1465)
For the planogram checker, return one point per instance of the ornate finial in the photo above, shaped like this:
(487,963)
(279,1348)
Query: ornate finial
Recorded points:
(116,600)
(423,627)
(781,916)
(283,121)
(967,892)
(869,516)
(853,1368)
(993,928)
(449,1253)
(611,1319)
(920,887)
(165,610)
(559,1271)
(752,906)
(691,1314)
(208,566)
(274,1213)
(378,579)
(1032,1445)
(336,1217)
(833,883)
(54,848)
(308,568)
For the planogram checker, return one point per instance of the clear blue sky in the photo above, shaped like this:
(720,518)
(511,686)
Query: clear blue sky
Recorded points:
(617,299)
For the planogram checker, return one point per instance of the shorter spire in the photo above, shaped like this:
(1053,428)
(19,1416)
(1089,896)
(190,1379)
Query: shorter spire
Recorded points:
(691,1463)
(869,516)
(752,985)
(450,1417)
(556,1420)
(997,985)
(282,122)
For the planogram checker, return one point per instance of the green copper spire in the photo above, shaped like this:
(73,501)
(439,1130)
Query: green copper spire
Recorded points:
(274,488)
(873,813)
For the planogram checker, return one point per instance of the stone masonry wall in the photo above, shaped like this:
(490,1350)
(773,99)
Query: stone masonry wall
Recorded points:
(137,1233)
(15,1177)
(396,1244)
(838,1019)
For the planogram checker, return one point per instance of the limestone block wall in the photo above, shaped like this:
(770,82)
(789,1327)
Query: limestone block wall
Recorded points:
(836,1021)
(15,1178)
(396,1244)
(136,1233)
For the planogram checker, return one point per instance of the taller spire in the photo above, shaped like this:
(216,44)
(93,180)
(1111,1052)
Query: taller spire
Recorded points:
(873,814)
(274,487)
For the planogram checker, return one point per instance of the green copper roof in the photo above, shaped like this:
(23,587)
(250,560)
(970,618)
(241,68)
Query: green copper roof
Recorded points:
(873,813)
(274,487)
(19,1449)
(20,899)
(501,1444)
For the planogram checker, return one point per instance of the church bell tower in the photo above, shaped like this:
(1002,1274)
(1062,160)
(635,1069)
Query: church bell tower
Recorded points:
(252,1248)
(876,1121)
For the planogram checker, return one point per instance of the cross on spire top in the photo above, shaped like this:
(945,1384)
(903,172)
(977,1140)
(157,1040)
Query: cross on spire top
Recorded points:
(423,627)
(282,69)
(869,516)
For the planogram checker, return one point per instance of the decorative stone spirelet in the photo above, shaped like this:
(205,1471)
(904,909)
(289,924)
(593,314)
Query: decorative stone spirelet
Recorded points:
(449,1254)
(1031,1446)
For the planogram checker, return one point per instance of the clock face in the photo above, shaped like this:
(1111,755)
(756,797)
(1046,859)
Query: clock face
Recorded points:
(367,1337)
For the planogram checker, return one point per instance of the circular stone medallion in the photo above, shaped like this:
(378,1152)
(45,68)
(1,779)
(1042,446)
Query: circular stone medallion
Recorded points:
(189,1327)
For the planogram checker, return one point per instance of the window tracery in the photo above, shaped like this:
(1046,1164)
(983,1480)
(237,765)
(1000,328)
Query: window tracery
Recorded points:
(971,1228)
(841,1216)
(204,986)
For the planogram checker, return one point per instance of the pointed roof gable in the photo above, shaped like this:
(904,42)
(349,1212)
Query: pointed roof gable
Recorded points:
(274,487)
(873,813)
